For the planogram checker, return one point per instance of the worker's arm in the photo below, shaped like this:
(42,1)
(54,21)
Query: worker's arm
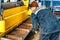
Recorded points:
(35,22)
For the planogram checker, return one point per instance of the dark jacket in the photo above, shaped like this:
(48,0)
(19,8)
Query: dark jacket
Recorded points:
(48,22)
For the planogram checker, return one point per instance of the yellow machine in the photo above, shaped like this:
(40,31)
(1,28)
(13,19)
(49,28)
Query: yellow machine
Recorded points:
(12,17)
(26,2)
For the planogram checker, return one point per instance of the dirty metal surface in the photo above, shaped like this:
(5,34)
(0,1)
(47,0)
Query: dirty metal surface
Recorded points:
(20,32)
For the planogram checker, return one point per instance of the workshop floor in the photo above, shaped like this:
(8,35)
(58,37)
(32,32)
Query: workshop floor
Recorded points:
(36,36)
(33,36)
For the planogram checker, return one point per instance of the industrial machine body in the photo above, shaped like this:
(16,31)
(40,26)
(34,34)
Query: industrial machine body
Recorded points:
(13,16)
(15,12)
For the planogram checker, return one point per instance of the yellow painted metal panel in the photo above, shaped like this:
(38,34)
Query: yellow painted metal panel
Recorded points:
(13,17)
(26,2)
(2,26)
(25,15)
(12,11)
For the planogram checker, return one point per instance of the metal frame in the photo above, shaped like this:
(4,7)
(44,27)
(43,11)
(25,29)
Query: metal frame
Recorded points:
(0,4)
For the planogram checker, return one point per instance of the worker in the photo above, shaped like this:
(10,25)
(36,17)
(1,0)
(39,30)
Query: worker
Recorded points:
(49,24)
(34,6)
(34,3)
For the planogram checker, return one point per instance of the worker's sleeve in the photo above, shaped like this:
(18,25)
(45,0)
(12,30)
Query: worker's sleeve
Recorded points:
(29,12)
(34,22)
(58,21)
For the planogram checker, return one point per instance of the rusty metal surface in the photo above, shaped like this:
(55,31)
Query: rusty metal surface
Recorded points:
(25,26)
(21,32)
